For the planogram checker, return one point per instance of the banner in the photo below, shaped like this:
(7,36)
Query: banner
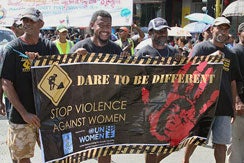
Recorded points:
(99,104)
(75,13)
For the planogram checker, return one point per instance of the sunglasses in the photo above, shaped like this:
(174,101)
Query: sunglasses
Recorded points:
(120,31)
(18,26)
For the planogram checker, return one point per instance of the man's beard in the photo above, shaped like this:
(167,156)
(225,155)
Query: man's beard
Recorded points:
(221,38)
(160,41)
(103,41)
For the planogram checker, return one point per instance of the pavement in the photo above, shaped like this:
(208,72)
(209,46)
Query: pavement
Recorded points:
(201,154)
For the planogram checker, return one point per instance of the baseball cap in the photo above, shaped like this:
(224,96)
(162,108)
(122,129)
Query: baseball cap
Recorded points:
(124,29)
(61,28)
(158,24)
(33,14)
(16,22)
(241,28)
(221,20)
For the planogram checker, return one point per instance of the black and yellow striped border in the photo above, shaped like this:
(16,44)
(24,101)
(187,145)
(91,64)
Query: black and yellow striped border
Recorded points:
(108,58)
(129,149)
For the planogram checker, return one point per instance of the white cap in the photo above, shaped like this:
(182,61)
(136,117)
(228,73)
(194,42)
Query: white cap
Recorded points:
(33,14)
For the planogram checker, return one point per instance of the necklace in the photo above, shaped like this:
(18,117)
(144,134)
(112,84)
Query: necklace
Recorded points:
(161,51)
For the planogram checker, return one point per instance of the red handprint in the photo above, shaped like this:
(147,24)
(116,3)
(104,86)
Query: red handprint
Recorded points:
(182,112)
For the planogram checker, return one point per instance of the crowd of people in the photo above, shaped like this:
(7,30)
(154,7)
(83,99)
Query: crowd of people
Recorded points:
(16,81)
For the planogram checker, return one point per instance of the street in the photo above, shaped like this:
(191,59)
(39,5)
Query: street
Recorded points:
(201,155)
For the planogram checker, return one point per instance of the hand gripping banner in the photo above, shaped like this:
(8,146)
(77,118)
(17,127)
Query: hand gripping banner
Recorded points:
(100,104)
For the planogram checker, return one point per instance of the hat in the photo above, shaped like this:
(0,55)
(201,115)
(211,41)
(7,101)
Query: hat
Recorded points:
(206,27)
(61,28)
(124,29)
(221,20)
(158,24)
(33,14)
(16,22)
(241,28)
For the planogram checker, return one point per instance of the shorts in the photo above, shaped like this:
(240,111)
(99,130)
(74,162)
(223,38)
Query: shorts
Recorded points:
(221,130)
(21,140)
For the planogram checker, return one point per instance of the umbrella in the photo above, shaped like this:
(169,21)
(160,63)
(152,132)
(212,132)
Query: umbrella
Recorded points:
(178,31)
(196,27)
(235,8)
(200,17)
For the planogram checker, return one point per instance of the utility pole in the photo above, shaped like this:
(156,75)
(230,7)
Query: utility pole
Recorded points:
(217,8)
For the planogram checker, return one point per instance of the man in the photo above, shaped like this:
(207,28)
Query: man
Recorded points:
(62,43)
(221,127)
(235,150)
(125,42)
(159,48)
(100,24)
(17,83)
(204,36)
(17,27)
(230,43)
(99,42)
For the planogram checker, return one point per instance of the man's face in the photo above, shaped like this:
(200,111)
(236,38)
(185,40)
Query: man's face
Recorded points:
(18,29)
(159,37)
(221,33)
(63,34)
(102,29)
(241,37)
(207,34)
(123,34)
(31,26)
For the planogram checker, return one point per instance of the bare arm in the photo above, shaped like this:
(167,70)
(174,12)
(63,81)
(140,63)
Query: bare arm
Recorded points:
(2,106)
(14,100)
(140,32)
(234,94)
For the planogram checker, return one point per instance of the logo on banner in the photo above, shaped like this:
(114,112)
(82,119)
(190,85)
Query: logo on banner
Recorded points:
(55,83)
(99,133)
(67,143)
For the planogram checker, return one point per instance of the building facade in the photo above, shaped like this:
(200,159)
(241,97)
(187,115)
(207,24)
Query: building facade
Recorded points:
(174,11)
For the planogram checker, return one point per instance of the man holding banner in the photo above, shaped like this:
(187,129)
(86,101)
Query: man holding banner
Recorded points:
(17,83)
(101,27)
(221,128)
(159,34)
(100,24)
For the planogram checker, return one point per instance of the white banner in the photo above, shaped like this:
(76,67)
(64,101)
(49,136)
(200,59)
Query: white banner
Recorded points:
(75,13)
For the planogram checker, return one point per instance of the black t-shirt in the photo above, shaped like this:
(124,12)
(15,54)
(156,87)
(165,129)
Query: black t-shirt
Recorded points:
(110,48)
(149,51)
(16,68)
(239,51)
(230,72)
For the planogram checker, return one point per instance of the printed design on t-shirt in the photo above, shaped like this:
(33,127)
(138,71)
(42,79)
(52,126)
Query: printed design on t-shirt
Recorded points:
(55,83)
(26,66)
(226,64)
